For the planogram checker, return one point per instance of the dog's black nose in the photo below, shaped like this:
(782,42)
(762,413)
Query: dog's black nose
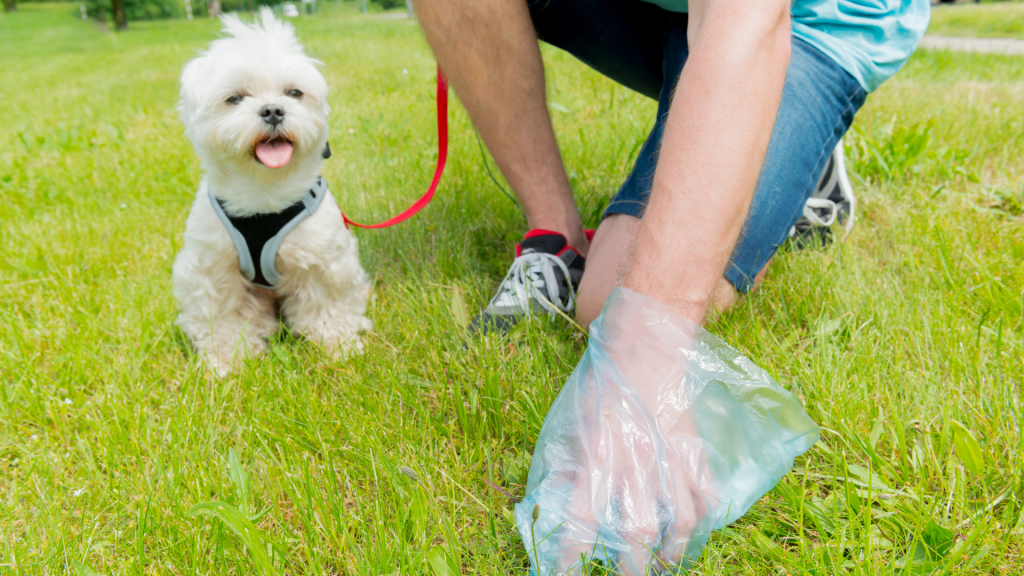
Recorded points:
(272,114)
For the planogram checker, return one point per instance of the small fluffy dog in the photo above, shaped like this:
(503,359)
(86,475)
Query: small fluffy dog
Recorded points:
(265,235)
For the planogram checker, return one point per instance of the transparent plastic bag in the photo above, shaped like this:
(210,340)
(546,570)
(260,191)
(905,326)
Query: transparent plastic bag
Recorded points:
(662,434)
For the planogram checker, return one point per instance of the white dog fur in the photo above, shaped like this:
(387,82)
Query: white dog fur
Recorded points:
(323,288)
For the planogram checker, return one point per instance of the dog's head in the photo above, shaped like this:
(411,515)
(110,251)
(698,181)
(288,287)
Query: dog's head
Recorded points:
(254,103)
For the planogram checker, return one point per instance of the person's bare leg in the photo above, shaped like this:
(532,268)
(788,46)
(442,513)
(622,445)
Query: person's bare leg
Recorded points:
(488,50)
(608,254)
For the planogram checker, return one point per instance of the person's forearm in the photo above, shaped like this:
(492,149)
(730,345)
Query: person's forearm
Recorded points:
(715,140)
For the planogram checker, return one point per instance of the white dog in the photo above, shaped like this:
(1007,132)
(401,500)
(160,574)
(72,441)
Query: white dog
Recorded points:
(264,236)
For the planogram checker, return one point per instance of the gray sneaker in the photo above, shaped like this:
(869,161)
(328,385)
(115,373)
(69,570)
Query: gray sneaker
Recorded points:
(542,279)
(832,202)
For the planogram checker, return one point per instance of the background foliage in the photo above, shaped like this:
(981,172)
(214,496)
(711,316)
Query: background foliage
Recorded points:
(163,9)
(141,9)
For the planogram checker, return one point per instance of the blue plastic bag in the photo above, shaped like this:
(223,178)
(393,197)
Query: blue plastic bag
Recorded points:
(662,434)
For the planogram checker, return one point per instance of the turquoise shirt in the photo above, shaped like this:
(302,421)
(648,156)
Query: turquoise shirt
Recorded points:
(870,39)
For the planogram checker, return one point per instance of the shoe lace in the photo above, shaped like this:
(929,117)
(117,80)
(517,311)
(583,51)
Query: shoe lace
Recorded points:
(533,276)
(811,213)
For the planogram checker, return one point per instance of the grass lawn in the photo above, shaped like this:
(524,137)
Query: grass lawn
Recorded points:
(998,20)
(905,342)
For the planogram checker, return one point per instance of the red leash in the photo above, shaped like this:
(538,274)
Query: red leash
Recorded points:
(442,156)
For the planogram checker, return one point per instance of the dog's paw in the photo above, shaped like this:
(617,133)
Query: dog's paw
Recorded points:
(340,337)
(219,367)
(352,346)
(222,364)
(343,347)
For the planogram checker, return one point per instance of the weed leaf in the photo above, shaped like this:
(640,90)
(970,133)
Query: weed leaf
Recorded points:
(937,540)
(440,562)
(239,478)
(459,309)
(967,448)
(830,326)
(83,569)
(867,478)
(928,551)
(241,525)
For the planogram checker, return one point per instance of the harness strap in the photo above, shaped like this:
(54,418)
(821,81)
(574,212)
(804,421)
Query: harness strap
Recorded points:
(442,156)
(258,237)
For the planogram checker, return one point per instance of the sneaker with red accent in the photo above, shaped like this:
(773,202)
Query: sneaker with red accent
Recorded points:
(542,280)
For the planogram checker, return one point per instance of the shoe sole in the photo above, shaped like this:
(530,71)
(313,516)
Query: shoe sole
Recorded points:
(845,187)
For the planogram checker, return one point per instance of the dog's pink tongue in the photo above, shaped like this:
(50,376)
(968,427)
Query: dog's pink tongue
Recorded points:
(274,154)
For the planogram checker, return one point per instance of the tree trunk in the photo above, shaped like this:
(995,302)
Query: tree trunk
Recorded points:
(10,5)
(120,18)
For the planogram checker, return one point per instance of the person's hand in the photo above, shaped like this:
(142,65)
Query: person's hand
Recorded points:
(629,467)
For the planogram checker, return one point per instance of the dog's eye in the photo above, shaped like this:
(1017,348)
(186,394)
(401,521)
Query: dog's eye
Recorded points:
(235,99)
(295,93)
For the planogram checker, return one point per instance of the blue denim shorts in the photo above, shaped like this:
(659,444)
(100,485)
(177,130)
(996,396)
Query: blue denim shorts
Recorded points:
(643,47)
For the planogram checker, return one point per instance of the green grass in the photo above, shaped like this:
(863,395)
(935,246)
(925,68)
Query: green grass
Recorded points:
(997,20)
(111,432)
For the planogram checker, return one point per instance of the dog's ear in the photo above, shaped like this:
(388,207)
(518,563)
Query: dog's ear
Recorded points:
(327,151)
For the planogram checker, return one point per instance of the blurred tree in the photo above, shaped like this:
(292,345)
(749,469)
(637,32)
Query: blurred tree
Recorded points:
(120,17)
(10,5)
(103,10)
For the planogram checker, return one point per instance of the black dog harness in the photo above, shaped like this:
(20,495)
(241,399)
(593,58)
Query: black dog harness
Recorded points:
(258,237)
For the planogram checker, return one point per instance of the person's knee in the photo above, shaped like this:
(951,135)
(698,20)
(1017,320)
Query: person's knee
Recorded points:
(586,313)
(726,295)
(590,301)
(606,258)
